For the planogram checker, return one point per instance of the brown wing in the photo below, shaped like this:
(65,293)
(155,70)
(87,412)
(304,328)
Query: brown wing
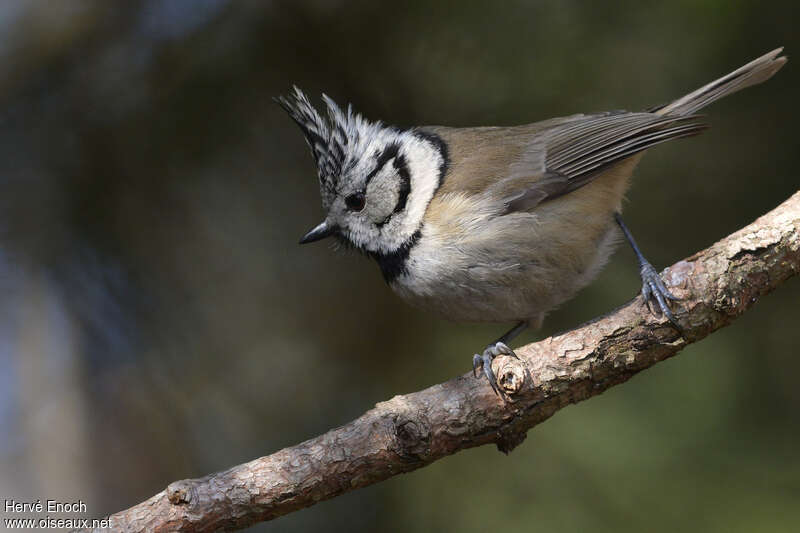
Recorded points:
(578,151)
(523,166)
(520,167)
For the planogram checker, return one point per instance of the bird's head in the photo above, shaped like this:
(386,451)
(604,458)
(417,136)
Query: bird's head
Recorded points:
(375,180)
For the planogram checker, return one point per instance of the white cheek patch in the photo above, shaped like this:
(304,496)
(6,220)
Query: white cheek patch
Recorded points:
(383,192)
(424,162)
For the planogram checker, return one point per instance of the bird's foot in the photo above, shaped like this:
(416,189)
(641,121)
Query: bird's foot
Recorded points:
(656,295)
(484,361)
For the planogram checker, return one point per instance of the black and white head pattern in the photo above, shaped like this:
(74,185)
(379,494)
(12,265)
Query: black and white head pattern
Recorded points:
(375,180)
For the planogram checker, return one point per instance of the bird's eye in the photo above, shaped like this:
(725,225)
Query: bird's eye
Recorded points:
(355,202)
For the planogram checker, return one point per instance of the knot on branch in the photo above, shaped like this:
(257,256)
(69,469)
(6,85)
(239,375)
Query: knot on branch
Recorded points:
(508,439)
(181,492)
(412,437)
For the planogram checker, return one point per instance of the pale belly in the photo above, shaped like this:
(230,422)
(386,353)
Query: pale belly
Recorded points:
(480,267)
(496,282)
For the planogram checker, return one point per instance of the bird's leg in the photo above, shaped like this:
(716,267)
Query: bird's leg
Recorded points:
(498,347)
(653,289)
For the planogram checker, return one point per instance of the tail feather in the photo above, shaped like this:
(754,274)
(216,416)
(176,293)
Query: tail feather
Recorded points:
(753,73)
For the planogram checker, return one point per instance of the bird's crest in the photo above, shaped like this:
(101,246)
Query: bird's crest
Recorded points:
(335,141)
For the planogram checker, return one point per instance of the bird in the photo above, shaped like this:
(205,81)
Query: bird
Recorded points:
(495,224)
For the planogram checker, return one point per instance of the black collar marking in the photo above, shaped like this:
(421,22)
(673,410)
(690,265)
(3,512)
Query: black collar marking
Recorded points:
(393,264)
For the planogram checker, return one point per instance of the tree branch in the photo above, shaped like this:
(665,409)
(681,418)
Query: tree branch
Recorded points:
(411,431)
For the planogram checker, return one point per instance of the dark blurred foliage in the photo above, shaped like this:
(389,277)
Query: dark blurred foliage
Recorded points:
(160,322)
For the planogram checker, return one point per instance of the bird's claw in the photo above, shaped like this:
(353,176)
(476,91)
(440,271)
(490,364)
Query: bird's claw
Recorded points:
(657,296)
(484,361)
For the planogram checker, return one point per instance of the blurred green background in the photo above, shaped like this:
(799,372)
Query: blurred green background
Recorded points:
(159,321)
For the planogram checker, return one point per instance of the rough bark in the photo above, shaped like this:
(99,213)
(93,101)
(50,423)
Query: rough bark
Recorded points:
(407,432)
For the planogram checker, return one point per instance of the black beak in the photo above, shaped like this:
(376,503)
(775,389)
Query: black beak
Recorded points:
(318,233)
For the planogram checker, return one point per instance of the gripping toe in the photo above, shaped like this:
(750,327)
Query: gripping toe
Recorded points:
(656,295)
